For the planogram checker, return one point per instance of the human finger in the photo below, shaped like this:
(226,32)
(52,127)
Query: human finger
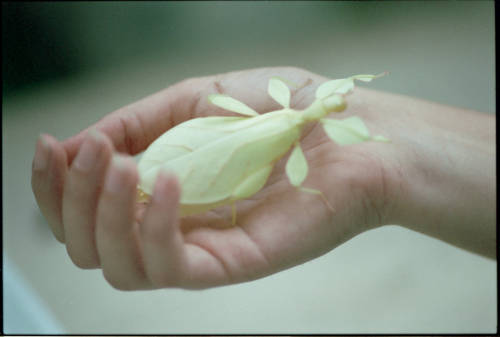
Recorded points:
(80,197)
(161,239)
(116,231)
(47,180)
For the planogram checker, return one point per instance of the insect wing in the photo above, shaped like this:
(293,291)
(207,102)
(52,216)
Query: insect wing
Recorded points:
(212,155)
(217,169)
(182,140)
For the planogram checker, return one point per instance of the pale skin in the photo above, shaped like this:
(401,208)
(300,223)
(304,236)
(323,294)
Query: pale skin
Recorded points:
(436,177)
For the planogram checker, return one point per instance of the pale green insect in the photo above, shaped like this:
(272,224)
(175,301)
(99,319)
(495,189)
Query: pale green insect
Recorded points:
(220,160)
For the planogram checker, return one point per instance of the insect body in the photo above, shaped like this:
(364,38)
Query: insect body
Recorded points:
(219,160)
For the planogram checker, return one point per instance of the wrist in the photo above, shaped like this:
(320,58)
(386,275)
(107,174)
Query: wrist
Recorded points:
(447,177)
(437,176)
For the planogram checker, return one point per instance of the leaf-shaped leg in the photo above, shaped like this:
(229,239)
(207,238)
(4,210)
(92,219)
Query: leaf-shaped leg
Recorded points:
(231,104)
(351,130)
(297,169)
(342,86)
(296,166)
(279,91)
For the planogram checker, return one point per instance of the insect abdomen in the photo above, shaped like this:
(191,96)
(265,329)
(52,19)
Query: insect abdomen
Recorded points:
(216,170)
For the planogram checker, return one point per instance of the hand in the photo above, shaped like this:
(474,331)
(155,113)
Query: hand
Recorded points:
(89,199)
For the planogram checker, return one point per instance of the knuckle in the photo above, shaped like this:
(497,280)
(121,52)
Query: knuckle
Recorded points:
(153,234)
(76,181)
(110,228)
(294,70)
(131,130)
(80,184)
(110,224)
(187,85)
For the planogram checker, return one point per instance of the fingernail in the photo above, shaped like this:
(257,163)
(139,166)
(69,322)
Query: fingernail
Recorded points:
(41,154)
(87,156)
(114,181)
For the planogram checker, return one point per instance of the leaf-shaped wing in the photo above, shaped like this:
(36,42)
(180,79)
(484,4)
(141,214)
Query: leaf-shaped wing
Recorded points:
(183,139)
(351,130)
(296,166)
(211,156)
(279,91)
(231,104)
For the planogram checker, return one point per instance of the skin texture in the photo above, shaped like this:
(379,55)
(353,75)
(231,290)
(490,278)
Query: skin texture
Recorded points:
(435,177)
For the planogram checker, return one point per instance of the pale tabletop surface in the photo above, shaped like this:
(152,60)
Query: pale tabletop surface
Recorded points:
(387,280)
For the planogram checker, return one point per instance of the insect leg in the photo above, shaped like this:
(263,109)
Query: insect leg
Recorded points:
(141,196)
(297,169)
(296,166)
(318,192)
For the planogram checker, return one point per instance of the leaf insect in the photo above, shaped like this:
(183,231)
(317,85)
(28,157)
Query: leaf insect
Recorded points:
(222,159)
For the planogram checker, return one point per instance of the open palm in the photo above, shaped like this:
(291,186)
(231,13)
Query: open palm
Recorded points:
(93,209)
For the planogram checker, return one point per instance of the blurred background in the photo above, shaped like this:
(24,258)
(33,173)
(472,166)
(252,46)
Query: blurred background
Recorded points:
(66,65)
